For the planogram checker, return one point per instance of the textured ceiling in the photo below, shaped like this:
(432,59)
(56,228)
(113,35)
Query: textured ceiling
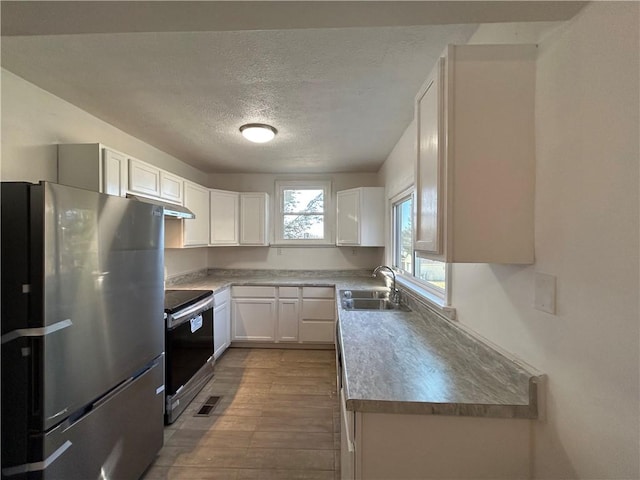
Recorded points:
(339,97)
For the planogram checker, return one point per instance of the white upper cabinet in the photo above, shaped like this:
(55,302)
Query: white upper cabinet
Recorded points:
(254,219)
(196,230)
(360,217)
(152,181)
(225,215)
(475,169)
(114,180)
(171,187)
(144,178)
(94,167)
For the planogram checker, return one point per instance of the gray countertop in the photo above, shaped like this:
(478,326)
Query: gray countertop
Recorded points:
(407,362)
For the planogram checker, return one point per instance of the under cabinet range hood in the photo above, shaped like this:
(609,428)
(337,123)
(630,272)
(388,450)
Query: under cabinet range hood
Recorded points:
(170,209)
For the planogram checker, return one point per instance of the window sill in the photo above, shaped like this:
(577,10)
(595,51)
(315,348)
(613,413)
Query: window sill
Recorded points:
(430,299)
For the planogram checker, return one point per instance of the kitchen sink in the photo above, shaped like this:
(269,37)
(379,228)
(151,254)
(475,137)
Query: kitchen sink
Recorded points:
(364,293)
(369,300)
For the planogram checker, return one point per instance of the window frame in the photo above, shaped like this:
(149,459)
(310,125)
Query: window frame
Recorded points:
(327,213)
(437,296)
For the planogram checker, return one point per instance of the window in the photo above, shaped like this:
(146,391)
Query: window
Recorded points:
(428,274)
(303,212)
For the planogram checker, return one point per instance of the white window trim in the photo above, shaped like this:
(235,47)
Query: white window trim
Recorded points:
(279,213)
(438,299)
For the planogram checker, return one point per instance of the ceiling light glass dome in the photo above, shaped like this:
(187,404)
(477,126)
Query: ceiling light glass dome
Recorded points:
(258,132)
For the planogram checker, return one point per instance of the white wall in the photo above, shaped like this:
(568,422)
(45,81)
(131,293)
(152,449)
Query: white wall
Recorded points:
(587,231)
(180,261)
(294,258)
(35,121)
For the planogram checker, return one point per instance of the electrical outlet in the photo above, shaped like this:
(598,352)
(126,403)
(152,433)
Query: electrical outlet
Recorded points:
(545,293)
(279,251)
(354,252)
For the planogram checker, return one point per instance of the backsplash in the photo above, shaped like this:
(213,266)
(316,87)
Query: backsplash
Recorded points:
(240,272)
(185,277)
(221,272)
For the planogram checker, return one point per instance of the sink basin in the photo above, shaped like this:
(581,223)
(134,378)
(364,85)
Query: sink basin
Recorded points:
(364,293)
(372,304)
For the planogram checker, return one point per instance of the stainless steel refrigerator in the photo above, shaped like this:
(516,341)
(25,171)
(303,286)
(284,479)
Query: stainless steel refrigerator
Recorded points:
(82,333)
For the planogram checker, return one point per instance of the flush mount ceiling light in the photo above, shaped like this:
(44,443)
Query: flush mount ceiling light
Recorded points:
(258,132)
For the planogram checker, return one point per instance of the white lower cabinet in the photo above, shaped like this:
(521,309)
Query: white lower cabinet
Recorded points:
(288,314)
(318,316)
(253,313)
(221,322)
(288,319)
(380,446)
(283,314)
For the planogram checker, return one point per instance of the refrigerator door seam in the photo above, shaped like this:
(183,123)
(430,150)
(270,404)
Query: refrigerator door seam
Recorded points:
(36,332)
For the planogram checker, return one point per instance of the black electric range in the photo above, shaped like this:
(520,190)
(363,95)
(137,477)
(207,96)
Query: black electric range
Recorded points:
(189,356)
(175,300)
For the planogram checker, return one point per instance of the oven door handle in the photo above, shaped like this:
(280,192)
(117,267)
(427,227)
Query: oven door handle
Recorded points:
(181,316)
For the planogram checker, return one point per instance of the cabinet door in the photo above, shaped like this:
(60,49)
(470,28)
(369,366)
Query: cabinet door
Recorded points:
(288,320)
(254,319)
(196,230)
(171,187)
(430,171)
(144,178)
(224,208)
(114,174)
(348,212)
(253,218)
(221,328)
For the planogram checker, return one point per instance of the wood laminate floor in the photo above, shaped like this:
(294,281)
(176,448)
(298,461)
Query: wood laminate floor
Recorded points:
(277,418)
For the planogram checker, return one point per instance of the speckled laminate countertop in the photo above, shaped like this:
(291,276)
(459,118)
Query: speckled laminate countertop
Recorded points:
(407,362)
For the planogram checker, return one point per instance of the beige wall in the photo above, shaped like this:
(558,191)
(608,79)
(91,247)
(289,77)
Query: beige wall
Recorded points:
(587,230)
(294,258)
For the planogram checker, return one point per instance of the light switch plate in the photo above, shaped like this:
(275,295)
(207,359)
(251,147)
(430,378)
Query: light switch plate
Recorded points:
(545,293)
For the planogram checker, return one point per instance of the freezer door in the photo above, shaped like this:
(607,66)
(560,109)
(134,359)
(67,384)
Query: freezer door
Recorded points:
(103,293)
(117,439)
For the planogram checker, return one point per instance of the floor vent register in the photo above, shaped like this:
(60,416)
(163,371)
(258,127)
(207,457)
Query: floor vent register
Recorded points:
(207,407)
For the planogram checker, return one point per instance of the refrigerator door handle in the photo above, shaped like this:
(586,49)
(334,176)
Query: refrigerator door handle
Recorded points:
(37,466)
(36,332)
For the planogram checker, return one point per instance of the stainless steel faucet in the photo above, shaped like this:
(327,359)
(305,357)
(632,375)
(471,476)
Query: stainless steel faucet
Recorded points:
(395,293)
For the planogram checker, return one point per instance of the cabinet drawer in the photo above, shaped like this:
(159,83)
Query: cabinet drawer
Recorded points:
(288,292)
(255,292)
(222,297)
(317,331)
(318,309)
(318,292)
